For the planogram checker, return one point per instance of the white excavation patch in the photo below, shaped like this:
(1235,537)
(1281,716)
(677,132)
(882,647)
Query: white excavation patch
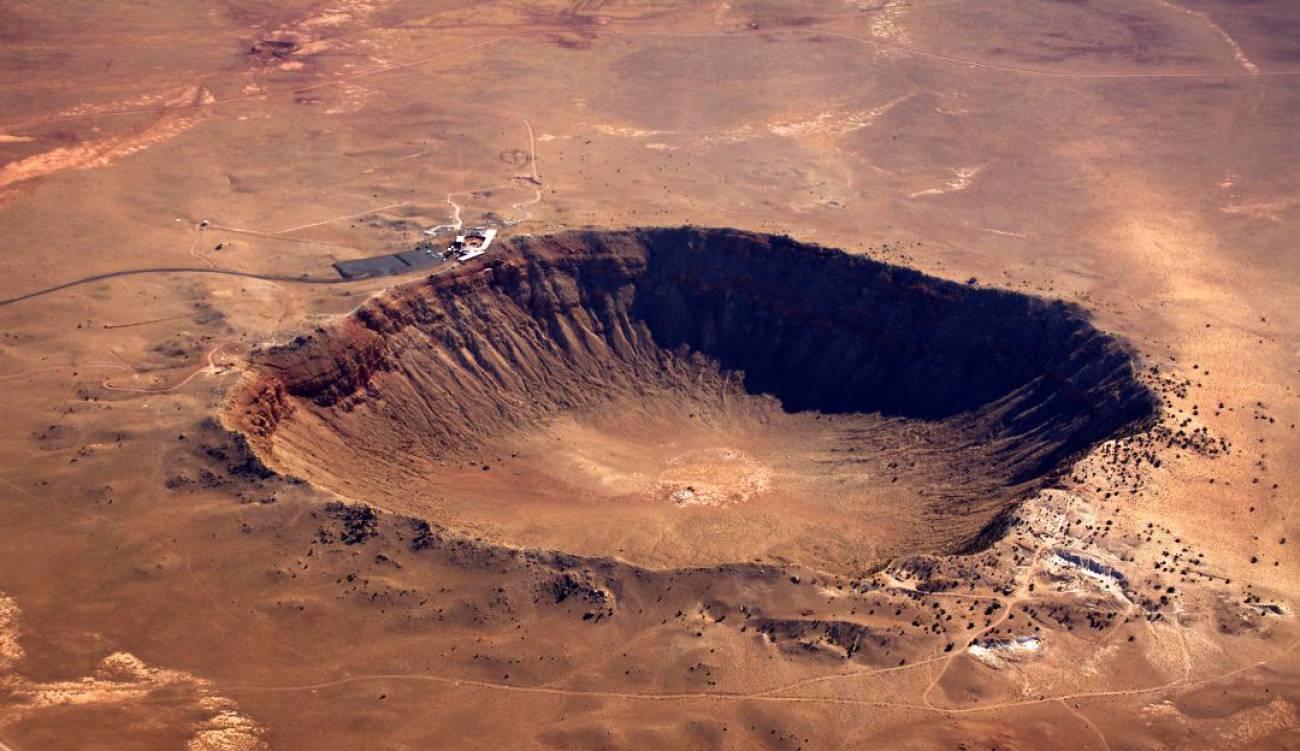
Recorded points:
(961,179)
(996,652)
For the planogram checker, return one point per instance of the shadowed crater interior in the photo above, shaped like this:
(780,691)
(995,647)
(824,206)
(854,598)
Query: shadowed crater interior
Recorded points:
(691,397)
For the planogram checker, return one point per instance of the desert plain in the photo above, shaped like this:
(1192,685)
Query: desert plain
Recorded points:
(843,375)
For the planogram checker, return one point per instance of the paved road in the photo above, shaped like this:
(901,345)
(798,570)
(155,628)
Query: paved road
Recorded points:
(175,270)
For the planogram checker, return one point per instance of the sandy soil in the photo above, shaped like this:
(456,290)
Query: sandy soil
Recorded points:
(159,591)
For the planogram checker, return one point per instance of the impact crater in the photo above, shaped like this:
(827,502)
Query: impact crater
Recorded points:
(691,397)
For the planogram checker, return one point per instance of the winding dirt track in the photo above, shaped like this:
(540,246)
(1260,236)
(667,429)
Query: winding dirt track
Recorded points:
(210,365)
(762,696)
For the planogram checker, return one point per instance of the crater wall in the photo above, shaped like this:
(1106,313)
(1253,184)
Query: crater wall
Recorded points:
(820,369)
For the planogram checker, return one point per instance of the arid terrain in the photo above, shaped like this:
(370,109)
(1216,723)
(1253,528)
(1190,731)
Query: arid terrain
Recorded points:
(847,375)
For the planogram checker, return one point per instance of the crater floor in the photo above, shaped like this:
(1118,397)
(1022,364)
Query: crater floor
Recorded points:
(689,397)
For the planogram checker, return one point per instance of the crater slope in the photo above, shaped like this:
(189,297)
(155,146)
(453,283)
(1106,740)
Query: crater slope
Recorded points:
(688,397)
